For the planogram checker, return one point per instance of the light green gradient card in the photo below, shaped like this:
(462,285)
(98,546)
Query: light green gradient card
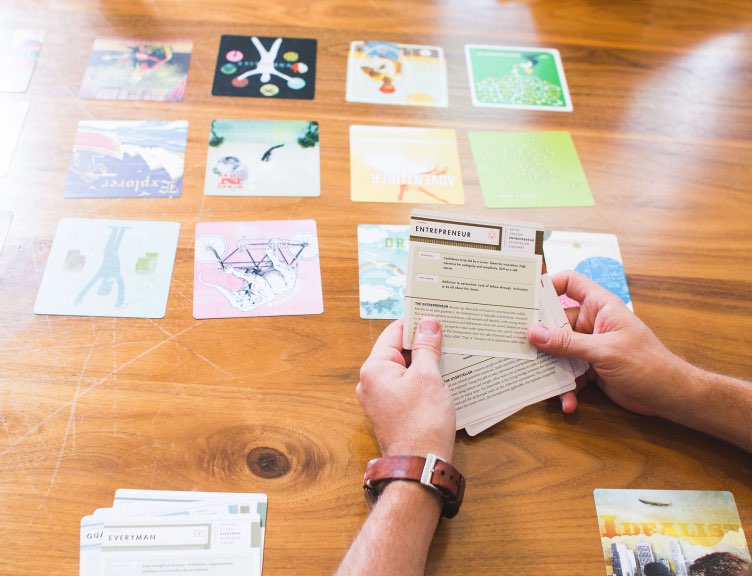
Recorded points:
(529,170)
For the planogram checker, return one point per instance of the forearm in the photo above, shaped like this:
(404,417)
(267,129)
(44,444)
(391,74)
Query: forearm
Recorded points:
(712,403)
(397,534)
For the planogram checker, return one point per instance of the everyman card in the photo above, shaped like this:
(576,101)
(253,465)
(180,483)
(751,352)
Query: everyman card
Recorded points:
(117,268)
(513,77)
(263,158)
(137,69)
(388,73)
(263,268)
(266,67)
(405,165)
(127,159)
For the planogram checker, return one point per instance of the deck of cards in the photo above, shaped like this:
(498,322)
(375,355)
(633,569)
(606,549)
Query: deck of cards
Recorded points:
(171,532)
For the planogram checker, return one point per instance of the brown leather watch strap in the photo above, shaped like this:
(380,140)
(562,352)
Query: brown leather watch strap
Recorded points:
(432,472)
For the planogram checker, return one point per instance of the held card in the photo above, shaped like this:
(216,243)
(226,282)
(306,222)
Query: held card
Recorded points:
(382,264)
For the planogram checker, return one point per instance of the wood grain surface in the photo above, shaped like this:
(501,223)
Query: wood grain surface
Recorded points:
(663,126)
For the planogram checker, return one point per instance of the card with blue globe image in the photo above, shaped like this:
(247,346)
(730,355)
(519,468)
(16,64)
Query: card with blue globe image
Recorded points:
(382,263)
(266,67)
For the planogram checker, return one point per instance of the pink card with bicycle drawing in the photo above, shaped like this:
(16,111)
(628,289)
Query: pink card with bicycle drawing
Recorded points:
(405,165)
(263,268)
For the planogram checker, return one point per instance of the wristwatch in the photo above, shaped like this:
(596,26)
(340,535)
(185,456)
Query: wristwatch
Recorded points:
(433,472)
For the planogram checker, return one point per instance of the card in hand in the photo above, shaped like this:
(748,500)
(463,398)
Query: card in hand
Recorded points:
(19,50)
(263,158)
(382,264)
(127,159)
(137,69)
(263,268)
(114,268)
(266,67)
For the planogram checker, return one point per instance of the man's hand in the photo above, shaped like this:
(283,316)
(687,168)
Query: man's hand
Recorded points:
(404,395)
(632,365)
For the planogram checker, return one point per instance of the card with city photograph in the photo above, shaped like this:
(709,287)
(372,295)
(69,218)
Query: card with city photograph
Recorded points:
(405,165)
(388,73)
(113,268)
(127,159)
(382,270)
(671,533)
(263,158)
(19,51)
(137,69)
(515,77)
(266,67)
(263,268)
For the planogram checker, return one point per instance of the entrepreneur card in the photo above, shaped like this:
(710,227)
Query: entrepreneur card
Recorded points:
(671,532)
(382,263)
(388,73)
(522,78)
(263,158)
(117,268)
(405,165)
(264,268)
(137,69)
(132,159)
(266,67)
(19,50)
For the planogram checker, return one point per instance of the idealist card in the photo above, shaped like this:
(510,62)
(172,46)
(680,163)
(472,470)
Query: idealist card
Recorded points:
(138,159)
(137,69)
(266,67)
(263,158)
(264,268)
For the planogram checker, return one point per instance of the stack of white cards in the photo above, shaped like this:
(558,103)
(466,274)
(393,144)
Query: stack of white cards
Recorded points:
(166,532)
(486,282)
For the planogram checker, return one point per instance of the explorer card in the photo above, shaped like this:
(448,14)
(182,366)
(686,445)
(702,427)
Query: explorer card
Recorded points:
(263,158)
(19,51)
(513,77)
(266,67)
(388,73)
(670,532)
(127,159)
(137,69)
(405,165)
(529,170)
(114,268)
(382,270)
(263,268)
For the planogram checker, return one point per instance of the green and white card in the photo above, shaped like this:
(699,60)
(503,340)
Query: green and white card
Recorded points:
(513,77)
(529,170)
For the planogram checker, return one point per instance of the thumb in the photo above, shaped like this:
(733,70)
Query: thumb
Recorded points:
(426,349)
(562,342)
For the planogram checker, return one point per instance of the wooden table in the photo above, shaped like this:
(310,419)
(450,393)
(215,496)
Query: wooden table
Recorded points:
(662,123)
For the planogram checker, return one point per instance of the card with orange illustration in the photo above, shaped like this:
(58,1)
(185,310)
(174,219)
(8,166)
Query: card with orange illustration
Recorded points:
(405,165)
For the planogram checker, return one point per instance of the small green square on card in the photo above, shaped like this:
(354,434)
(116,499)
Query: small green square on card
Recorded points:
(529,170)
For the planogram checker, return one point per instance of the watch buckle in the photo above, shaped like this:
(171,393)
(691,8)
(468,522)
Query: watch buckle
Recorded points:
(428,469)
